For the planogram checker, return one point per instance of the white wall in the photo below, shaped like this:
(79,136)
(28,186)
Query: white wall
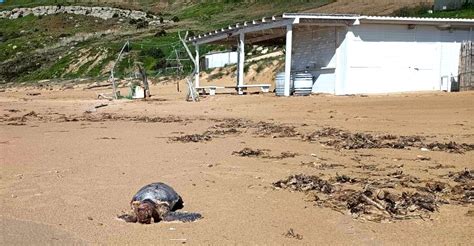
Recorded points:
(220,59)
(394,58)
(314,50)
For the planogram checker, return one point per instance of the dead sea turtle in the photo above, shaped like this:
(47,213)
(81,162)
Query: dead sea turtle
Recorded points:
(157,201)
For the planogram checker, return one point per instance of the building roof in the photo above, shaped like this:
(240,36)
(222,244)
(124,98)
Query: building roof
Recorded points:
(274,27)
(265,24)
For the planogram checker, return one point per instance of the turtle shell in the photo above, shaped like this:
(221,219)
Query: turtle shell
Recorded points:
(159,193)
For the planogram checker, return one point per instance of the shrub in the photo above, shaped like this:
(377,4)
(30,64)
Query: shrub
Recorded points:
(149,15)
(160,64)
(142,24)
(175,19)
(413,11)
(161,33)
(154,52)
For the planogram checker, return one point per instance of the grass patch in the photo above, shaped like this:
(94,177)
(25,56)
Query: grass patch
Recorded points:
(207,15)
(54,71)
(467,11)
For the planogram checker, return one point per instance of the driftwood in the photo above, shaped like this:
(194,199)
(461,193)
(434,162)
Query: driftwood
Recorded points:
(372,202)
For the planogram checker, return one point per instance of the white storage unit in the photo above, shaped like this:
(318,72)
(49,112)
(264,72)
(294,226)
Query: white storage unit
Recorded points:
(220,59)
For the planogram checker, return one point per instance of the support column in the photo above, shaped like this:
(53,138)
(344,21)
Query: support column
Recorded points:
(289,48)
(198,68)
(241,65)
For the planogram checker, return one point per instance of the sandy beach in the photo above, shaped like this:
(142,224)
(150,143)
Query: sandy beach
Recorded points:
(66,173)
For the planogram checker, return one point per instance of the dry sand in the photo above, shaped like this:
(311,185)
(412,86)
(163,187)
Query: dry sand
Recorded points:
(65,182)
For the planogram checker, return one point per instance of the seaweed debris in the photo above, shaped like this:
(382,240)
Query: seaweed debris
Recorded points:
(192,138)
(248,152)
(383,200)
(341,139)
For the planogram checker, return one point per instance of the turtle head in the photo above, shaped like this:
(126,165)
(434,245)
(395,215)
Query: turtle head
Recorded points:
(143,211)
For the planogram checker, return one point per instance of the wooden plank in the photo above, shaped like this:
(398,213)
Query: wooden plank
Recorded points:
(466,67)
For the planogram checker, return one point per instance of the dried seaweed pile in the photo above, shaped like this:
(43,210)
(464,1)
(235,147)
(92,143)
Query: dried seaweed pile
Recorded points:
(92,118)
(322,165)
(464,188)
(372,200)
(223,132)
(265,129)
(232,123)
(261,129)
(284,155)
(192,138)
(248,152)
(206,136)
(236,126)
(379,205)
(145,119)
(341,139)
(303,182)
(20,120)
(451,147)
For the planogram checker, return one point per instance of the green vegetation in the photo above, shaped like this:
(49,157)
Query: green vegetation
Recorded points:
(206,15)
(467,11)
(413,11)
(46,47)
(41,47)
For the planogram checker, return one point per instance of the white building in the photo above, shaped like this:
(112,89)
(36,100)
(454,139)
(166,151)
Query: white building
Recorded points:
(352,54)
(220,59)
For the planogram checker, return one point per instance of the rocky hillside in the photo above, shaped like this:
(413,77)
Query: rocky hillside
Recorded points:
(104,13)
(67,39)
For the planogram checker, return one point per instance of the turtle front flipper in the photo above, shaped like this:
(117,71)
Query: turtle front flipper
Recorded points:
(181,217)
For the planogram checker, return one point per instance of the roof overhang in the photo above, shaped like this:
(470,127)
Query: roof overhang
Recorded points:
(224,34)
(438,22)
(274,27)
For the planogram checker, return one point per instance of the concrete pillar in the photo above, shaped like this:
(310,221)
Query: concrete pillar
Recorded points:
(241,65)
(198,69)
(289,48)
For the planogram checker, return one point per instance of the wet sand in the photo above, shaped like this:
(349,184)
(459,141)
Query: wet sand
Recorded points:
(64,182)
